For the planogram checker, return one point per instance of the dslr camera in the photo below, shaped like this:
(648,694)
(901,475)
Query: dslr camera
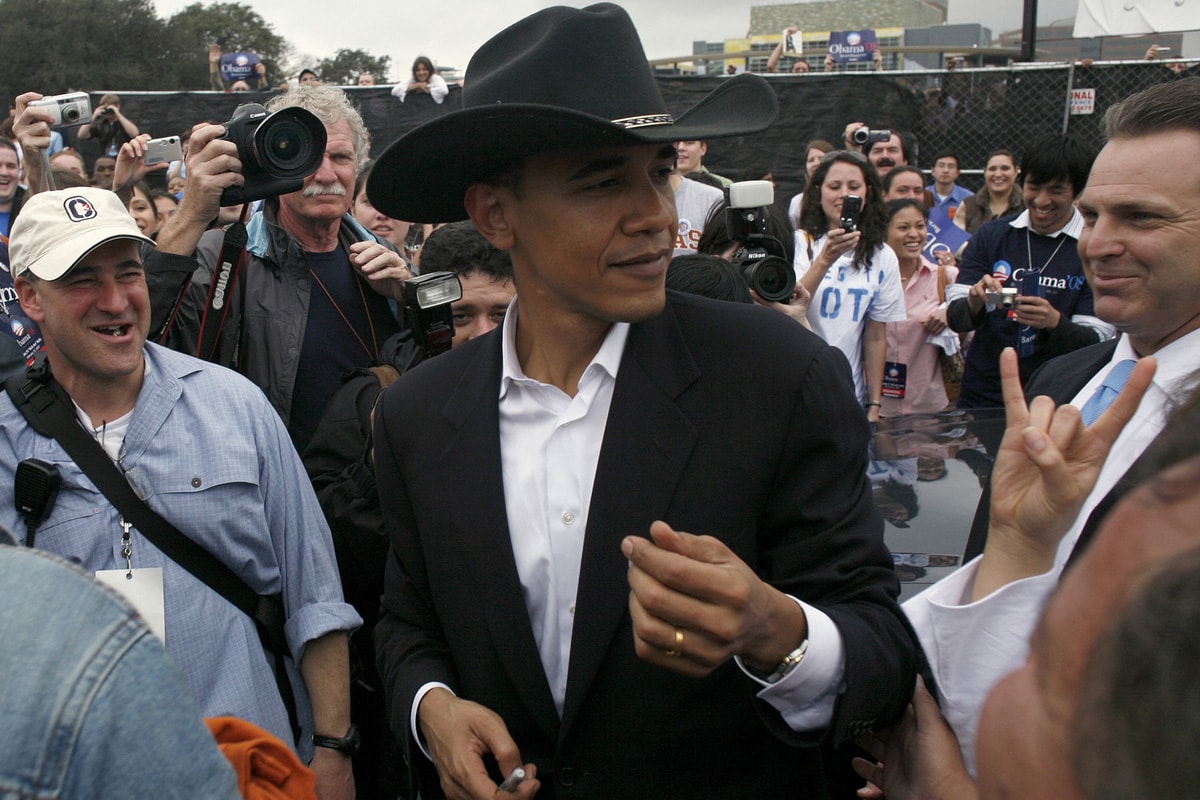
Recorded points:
(866,136)
(761,258)
(68,109)
(278,151)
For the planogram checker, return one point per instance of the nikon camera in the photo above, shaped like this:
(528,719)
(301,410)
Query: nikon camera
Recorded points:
(761,257)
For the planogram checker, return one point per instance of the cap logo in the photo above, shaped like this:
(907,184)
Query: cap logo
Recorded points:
(79,209)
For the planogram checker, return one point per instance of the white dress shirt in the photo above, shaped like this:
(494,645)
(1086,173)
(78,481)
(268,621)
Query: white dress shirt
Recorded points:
(972,645)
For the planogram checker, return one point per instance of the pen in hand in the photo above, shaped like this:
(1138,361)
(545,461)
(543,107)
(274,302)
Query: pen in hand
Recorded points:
(511,783)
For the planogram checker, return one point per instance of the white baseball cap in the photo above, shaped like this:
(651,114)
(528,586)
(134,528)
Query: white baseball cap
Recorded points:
(55,230)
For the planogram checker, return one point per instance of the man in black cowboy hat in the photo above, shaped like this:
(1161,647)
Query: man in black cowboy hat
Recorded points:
(543,606)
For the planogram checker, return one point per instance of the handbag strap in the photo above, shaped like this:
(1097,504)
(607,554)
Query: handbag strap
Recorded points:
(45,406)
(942,283)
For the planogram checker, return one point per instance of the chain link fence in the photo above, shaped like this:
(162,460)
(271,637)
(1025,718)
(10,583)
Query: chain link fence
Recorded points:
(970,112)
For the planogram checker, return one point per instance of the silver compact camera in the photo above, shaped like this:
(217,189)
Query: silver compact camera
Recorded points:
(165,149)
(1003,298)
(68,109)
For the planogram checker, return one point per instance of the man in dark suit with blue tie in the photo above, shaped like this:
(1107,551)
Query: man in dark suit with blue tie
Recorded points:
(547,606)
(1140,249)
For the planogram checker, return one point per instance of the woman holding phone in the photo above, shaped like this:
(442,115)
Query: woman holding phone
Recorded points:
(843,261)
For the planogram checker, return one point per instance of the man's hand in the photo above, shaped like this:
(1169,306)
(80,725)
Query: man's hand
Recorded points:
(32,125)
(384,269)
(458,733)
(335,775)
(977,294)
(853,126)
(695,605)
(1036,312)
(796,308)
(212,167)
(1046,467)
(918,759)
(130,168)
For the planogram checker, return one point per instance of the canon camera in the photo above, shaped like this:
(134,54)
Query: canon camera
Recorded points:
(278,151)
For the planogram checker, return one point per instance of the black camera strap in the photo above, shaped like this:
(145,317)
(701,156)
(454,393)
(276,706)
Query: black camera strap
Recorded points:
(228,269)
(48,410)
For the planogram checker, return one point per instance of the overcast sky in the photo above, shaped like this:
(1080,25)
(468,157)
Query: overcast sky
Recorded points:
(449,31)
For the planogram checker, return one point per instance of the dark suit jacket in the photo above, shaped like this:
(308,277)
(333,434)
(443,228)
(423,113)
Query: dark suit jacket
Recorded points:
(726,420)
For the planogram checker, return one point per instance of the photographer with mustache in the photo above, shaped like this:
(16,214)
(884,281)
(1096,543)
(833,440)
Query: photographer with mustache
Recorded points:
(317,284)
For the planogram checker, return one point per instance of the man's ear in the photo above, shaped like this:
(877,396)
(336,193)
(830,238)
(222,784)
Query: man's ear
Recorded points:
(31,301)
(487,209)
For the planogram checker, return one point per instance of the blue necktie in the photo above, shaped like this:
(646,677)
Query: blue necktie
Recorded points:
(1108,391)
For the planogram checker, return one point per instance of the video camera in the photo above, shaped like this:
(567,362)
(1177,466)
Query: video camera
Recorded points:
(278,151)
(865,136)
(429,298)
(761,258)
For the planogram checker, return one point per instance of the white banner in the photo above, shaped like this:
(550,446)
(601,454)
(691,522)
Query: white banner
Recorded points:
(1124,17)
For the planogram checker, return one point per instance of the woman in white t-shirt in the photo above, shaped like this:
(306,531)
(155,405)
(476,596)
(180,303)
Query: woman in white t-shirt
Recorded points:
(854,277)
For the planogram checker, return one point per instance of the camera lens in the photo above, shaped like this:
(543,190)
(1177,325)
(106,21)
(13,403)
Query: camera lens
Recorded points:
(772,278)
(286,143)
(70,113)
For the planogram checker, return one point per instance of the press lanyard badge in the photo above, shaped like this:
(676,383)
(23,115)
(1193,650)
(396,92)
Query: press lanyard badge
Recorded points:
(143,588)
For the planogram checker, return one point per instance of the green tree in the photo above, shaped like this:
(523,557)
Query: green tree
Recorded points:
(54,46)
(346,65)
(236,27)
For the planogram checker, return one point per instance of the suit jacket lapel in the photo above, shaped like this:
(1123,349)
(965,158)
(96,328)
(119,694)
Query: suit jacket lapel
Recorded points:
(647,441)
(472,461)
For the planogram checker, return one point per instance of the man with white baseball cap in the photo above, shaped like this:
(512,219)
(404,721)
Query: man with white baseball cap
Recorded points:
(202,447)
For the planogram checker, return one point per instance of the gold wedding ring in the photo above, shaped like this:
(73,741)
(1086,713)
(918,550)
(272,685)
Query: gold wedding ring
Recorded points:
(678,651)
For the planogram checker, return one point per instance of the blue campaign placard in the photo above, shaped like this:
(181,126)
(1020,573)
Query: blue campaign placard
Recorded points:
(943,234)
(239,66)
(849,47)
(13,321)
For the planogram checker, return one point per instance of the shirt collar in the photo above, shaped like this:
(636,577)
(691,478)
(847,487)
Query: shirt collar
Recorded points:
(607,358)
(1073,228)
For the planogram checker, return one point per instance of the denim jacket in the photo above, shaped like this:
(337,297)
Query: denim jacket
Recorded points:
(91,704)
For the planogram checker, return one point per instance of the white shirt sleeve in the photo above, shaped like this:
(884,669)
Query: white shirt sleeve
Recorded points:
(888,305)
(971,646)
(805,696)
(412,714)
(400,90)
(438,88)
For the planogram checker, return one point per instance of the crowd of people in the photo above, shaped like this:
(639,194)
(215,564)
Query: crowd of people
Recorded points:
(499,460)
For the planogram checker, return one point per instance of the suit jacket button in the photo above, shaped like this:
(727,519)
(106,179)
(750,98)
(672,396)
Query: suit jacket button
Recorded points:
(566,776)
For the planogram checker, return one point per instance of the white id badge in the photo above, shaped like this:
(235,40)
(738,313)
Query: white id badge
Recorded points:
(144,590)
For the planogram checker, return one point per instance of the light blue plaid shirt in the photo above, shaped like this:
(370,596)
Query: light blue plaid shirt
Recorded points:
(208,452)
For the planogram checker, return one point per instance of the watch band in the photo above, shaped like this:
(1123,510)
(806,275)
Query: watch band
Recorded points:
(789,663)
(348,744)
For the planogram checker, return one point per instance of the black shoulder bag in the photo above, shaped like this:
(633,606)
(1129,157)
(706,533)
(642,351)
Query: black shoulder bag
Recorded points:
(48,410)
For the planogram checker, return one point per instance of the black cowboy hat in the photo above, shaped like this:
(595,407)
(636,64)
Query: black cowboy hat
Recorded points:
(560,78)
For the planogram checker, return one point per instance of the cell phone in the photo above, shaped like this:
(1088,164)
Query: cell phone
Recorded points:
(165,149)
(851,211)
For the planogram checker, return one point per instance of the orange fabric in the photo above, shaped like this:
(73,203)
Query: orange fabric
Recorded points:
(266,768)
